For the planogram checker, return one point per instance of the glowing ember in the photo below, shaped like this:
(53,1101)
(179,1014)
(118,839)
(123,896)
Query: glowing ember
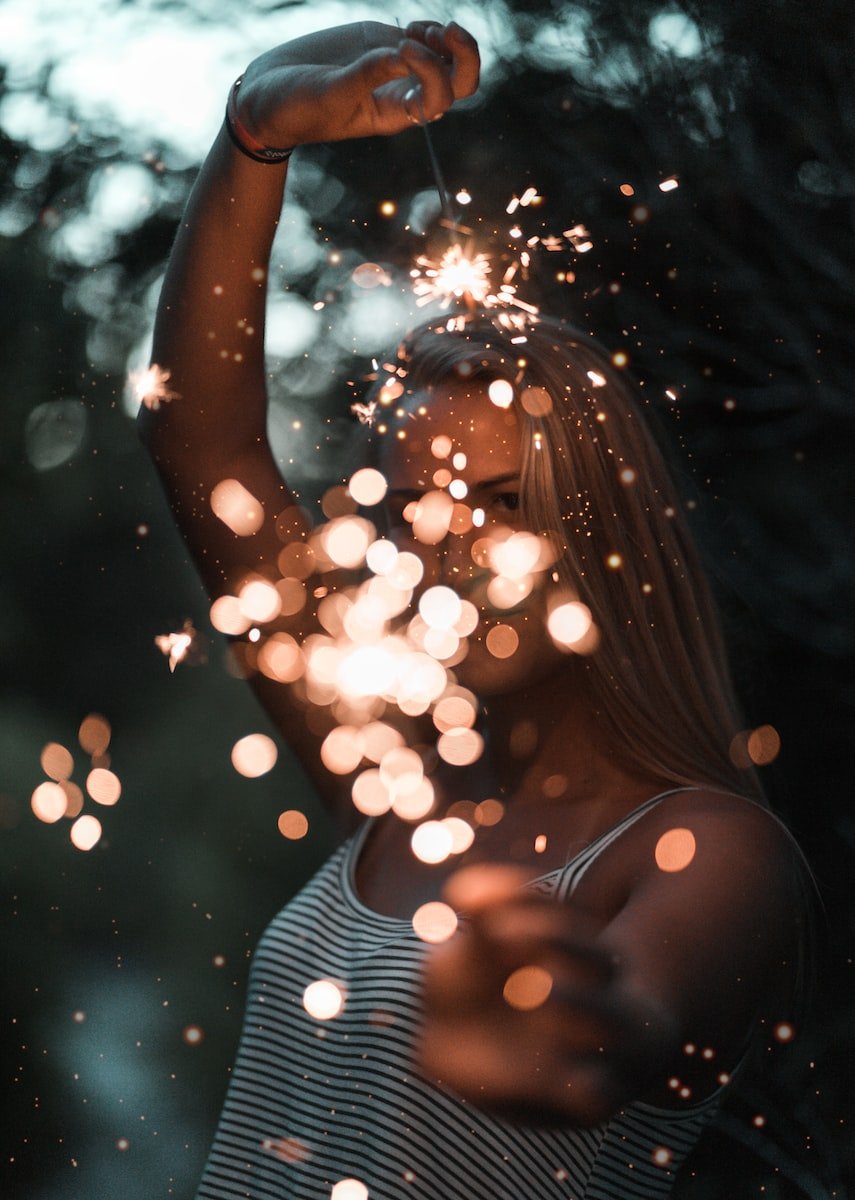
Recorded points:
(148,385)
(254,755)
(456,275)
(435,922)
(323,999)
(176,646)
(293,824)
(569,623)
(432,842)
(56,761)
(527,988)
(501,393)
(349,1189)
(367,486)
(675,850)
(237,508)
(49,802)
(365,412)
(668,185)
(85,832)
(103,786)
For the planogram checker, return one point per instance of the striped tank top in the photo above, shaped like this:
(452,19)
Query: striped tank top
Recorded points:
(314,1102)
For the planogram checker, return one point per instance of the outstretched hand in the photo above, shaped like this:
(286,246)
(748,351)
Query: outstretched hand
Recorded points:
(526,1012)
(357,81)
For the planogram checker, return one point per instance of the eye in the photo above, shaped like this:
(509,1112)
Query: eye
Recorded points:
(510,501)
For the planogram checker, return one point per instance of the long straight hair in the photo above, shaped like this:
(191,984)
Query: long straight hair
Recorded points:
(594,478)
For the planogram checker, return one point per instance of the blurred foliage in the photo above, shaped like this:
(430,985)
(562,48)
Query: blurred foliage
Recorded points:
(733,291)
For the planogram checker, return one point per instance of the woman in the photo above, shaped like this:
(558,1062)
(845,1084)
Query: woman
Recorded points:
(633,916)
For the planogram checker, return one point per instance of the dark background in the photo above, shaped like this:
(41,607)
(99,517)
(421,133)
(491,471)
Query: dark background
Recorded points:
(734,292)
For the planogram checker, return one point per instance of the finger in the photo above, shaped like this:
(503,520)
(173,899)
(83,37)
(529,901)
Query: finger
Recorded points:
(466,61)
(454,45)
(436,94)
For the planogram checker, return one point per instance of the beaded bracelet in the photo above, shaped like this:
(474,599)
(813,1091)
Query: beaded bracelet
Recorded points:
(244,140)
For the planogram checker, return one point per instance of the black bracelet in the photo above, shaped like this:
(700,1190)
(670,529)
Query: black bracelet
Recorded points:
(243,139)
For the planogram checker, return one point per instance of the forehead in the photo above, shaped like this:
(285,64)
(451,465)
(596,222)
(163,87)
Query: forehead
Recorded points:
(447,421)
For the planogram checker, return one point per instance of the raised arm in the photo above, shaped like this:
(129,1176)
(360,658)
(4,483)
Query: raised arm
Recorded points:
(353,81)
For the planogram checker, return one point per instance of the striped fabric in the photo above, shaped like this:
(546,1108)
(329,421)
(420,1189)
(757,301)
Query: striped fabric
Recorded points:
(313,1102)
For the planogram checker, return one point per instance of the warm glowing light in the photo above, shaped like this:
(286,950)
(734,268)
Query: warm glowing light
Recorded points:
(540,843)
(237,508)
(416,804)
(386,208)
(454,712)
(254,755)
(517,556)
(226,616)
(323,999)
(668,185)
(435,922)
(662,1156)
(176,646)
(503,592)
(441,644)
(377,738)
(293,824)
(148,385)
(462,834)
(259,601)
(370,275)
(460,746)
(432,842)
(675,850)
(468,621)
(346,540)
(489,812)
(341,749)
(367,486)
(440,447)
(597,379)
(85,832)
(280,658)
(784,1032)
(94,733)
(103,786)
(527,988)
(401,770)
(458,489)
(569,623)
(369,794)
(463,197)
(440,607)
(407,571)
(502,641)
(614,562)
(56,761)
(627,189)
(536,401)
(764,745)
(456,275)
(349,1189)
(73,798)
(381,556)
(49,802)
(432,517)
(501,393)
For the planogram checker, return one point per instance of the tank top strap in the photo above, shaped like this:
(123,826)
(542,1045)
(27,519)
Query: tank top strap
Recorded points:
(571,874)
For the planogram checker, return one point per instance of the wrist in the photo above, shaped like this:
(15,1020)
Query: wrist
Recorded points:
(244,139)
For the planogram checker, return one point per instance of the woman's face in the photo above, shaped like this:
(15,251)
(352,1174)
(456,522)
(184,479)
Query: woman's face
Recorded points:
(455,436)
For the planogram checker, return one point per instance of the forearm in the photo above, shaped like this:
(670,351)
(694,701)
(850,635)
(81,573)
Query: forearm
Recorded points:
(209,330)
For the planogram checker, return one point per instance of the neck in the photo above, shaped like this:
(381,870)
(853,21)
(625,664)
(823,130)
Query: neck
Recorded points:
(547,740)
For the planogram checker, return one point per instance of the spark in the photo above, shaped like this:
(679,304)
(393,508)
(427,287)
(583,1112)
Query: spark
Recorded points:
(176,646)
(148,385)
(365,412)
(456,275)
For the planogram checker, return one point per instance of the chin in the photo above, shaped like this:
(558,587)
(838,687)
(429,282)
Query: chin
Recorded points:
(486,675)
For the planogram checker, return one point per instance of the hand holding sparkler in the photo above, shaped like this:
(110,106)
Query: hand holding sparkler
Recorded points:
(528,1013)
(357,80)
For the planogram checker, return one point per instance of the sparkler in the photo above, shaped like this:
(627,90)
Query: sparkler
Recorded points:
(149,386)
(176,646)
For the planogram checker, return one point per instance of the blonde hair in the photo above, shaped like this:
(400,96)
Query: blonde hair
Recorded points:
(593,474)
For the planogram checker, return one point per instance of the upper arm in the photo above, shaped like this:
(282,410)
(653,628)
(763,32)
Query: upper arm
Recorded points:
(715,942)
(252,544)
